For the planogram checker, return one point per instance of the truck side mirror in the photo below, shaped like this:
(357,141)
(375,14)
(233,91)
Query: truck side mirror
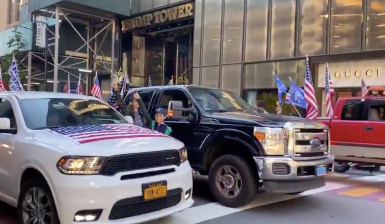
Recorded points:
(176,109)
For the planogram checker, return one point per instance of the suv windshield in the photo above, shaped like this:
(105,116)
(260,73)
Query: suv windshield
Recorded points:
(56,112)
(216,100)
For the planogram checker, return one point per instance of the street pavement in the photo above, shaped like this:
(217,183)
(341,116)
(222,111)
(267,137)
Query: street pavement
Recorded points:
(356,197)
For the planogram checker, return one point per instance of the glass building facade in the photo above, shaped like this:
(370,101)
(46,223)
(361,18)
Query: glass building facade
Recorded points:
(238,44)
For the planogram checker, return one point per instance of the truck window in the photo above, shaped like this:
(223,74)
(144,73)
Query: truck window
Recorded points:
(376,111)
(146,96)
(6,111)
(175,95)
(353,110)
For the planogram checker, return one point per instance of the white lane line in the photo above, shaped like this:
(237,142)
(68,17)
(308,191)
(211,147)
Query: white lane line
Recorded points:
(371,179)
(210,211)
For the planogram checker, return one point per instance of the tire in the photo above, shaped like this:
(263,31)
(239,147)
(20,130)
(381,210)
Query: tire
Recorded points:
(341,167)
(248,187)
(37,185)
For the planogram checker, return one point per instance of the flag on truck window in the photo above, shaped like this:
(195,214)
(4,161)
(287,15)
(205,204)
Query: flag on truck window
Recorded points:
(364,90)
(92,133)
(311,101)
(329,91)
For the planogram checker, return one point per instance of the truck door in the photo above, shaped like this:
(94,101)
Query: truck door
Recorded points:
(182,129)
(346,130)
(373,130)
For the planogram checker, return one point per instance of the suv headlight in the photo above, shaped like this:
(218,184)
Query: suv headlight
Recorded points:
(80,165)
(183,154)
(272,140)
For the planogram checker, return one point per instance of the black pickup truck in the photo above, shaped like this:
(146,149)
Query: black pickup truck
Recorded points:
(240,150)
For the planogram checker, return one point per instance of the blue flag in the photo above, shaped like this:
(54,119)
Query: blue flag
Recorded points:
(296,96)
(281,88)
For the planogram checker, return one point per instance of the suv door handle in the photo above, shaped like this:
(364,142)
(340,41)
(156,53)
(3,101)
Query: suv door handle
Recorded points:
(368,128)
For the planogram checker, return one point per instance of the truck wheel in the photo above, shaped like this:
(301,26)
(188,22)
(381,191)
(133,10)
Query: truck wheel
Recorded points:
(232,182)
(341,167)
(36,204)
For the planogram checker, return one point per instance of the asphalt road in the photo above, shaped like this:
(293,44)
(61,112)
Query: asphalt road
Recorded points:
(354,198)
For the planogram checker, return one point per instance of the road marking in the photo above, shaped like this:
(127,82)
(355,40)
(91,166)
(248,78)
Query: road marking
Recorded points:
(359,192)
(210,211)
(372,179)
(336,175)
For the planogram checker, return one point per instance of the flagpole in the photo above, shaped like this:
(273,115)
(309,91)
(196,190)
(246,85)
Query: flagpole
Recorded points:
(295,108)
(69,85)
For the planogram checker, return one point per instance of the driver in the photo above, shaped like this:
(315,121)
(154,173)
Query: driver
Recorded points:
(53,118)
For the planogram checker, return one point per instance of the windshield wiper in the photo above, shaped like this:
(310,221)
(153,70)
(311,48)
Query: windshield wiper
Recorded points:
(217,111)
(42,128)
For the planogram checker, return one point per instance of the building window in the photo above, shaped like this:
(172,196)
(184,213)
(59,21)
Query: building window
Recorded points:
(282,28)
(256,30)
(138,55)
(210,76)
(233,31)
(346,26)
(312,27)
(260,75)
(14,11)
(145,5)
(231,78)
(212,32)
(375,32)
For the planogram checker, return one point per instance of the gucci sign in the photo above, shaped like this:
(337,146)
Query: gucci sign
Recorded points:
(357,73)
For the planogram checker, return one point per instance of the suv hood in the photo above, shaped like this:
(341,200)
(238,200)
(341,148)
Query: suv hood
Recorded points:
(109,144)
(262,120)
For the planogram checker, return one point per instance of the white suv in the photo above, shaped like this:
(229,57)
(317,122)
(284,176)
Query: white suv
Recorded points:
(66,158)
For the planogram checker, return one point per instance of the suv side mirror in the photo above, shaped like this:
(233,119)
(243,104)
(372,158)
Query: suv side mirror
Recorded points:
(5,126)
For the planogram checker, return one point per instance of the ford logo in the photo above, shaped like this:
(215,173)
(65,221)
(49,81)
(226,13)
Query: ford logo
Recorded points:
(315,143)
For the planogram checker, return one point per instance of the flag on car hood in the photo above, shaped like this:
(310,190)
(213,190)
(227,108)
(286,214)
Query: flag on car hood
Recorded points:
(93,133)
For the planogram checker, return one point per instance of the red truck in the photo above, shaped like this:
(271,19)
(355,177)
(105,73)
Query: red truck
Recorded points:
(357,132)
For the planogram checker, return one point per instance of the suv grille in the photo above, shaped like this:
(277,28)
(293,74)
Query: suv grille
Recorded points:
(302,142)
(141,208)
(130,162)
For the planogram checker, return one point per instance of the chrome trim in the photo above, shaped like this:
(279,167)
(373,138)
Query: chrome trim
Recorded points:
(308,136)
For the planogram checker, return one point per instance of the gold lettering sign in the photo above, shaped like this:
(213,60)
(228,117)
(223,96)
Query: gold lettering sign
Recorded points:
(357,73)
(174,13)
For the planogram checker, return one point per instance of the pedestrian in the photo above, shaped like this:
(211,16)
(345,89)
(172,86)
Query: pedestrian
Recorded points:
(137,110)
(158,124)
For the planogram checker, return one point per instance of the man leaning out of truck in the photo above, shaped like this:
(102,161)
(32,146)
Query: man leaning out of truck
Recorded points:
(137,110)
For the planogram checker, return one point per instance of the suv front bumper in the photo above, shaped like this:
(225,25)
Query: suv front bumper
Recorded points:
(287,175)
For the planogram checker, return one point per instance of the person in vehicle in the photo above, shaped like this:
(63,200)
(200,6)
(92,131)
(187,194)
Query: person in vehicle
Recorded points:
(382,117)
(349,112)
(373,115)
(158,124)
(137,110)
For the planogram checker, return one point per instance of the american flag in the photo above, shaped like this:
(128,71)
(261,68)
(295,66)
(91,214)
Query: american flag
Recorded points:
(149,81)
(183,53)
(93,133)
(112,100)
(311,107)
(79,87)
(67,86)
(95,90)
(2,88)
(364,90)
(329,91)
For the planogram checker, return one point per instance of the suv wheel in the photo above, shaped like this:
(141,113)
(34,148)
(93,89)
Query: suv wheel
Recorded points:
(36,204)
(232,182)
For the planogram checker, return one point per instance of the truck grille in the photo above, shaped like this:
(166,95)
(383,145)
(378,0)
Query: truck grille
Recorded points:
(130,162)
(303,139)
(131,210)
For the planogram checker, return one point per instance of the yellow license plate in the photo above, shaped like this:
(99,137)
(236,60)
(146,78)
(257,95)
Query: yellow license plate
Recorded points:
(155,192)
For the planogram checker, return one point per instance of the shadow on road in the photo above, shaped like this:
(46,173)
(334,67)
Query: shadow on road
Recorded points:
(201,189)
